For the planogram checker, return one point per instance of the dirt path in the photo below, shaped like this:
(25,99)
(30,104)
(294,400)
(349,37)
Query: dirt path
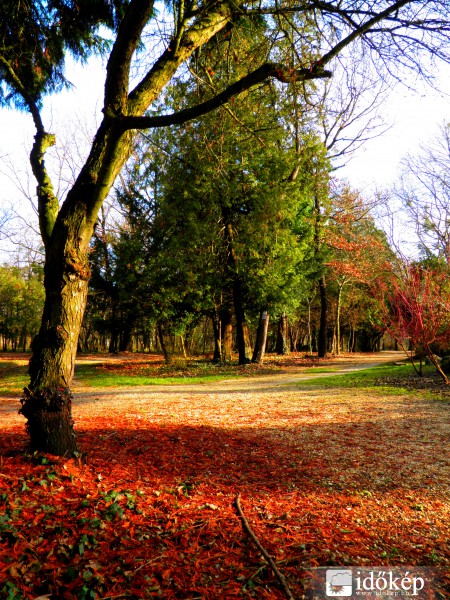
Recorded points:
(235,389)
(250,385)
(245,401)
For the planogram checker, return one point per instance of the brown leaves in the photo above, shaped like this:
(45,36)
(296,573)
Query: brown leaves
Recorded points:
(327,477)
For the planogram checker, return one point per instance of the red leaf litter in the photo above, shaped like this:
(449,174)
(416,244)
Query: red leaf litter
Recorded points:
(328,477)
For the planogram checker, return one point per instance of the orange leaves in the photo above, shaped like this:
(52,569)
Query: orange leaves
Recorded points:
(359,249)
(325,477)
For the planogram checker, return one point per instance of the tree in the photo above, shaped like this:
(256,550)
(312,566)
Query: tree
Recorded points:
(424,190)
(227,212)
(358,251)
(34,39)
(416,309)
(21,302)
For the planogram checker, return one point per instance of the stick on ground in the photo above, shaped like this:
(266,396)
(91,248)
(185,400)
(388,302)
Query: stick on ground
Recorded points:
(269,559)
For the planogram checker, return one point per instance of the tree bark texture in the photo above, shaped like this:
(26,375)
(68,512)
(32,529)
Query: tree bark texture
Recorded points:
(217,330)
(282,346)
(52,363)
(49,420)
(261,338)
(226,319)
(323,326)
(242,332)
(162,343)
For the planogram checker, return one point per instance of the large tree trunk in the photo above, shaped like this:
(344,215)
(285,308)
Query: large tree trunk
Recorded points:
(47,400)
(282,346)
(242,333)
(323,327)
(261,338)
(46,403)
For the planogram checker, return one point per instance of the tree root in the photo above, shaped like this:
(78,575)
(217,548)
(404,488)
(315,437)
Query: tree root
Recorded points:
(248,530)
(49,420)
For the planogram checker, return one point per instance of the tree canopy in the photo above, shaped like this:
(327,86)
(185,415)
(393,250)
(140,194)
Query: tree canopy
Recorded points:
(149,46)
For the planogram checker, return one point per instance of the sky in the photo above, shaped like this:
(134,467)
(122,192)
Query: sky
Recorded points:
(414,119)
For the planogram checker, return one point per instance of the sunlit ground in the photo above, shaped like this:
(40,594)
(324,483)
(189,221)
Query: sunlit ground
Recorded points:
(327,476)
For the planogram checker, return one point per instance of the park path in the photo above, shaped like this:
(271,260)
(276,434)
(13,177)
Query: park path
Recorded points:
(234,389)
(243,401)
(248,385)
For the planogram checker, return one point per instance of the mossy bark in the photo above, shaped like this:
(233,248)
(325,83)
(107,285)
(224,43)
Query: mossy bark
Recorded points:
(46,403)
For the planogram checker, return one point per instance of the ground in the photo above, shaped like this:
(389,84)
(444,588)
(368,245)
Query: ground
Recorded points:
(327,475)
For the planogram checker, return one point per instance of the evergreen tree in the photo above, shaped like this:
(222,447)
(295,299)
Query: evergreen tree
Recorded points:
(34,39)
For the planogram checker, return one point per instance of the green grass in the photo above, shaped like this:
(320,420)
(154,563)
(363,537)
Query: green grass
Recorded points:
(13,378)
(367,378)
(110,380)
(93,376)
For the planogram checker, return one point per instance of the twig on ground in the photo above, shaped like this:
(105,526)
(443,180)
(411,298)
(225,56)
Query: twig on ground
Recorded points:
(269,559)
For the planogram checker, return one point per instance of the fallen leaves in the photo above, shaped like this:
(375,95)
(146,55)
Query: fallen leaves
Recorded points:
(327,477)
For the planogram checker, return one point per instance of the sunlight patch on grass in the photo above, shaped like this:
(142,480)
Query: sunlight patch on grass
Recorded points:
(364,378)
(13,377)
(136,380)
(90,376)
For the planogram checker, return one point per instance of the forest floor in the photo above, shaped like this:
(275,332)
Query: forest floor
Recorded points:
(331,471)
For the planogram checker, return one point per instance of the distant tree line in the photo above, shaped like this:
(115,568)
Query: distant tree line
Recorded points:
(21,303)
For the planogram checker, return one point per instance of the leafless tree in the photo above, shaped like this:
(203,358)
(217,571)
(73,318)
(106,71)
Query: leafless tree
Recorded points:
(424,191)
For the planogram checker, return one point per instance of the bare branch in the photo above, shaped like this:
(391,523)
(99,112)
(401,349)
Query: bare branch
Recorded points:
(278,71)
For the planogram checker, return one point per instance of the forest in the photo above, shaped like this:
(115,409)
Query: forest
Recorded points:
(212,322)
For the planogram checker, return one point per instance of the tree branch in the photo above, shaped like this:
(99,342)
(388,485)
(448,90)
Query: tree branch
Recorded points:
(48,204)
(362,29)
(118,69)
(201,31)
(278,71)
(17,85)
(269,559)
(299,8)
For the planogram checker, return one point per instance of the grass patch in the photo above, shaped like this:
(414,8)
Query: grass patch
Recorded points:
(13,377)
(369,378)
(101,380)
(113,375)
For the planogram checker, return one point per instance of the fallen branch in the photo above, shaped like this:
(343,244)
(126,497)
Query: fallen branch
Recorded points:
(269,559)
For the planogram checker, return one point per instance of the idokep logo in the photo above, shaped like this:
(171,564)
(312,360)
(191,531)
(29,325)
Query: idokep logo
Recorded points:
(339,583)
(373,583)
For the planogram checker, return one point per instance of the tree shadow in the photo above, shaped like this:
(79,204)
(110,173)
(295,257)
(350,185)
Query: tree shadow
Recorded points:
(371,492)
